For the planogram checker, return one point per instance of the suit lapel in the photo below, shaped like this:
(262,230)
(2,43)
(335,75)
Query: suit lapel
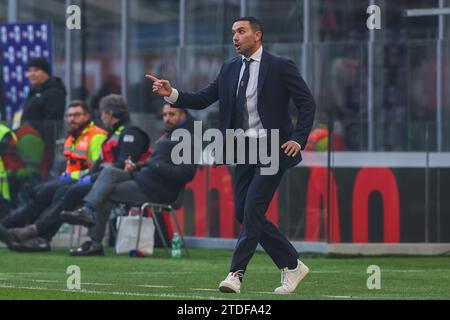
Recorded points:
(263,69)
(234,78)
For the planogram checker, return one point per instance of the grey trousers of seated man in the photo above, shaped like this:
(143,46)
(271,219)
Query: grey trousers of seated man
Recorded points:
(111,187)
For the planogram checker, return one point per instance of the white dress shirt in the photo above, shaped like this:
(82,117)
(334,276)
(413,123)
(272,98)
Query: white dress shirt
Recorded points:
(255,127)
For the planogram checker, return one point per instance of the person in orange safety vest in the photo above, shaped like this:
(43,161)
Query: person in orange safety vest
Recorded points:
(82,149)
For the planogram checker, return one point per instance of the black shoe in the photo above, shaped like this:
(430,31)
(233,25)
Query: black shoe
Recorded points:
(37,244)
(6,237)
(24,234)
(82,216)
(89,248)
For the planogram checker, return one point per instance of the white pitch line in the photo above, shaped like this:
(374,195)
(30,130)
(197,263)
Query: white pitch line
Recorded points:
(202,289)
(46,281)
(116,293)
(382,270)
(155,286)
(56,281)
(412,271)
(159,273)
(28,273)
(263,292)
(379,298)
(216,290)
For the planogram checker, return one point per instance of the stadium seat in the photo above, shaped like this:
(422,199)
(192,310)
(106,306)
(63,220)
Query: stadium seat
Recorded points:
(159,208)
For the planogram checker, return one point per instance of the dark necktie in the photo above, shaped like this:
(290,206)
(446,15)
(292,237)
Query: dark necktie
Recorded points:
(241,113)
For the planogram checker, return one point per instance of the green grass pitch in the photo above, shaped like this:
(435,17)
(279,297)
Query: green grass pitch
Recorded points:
(43,276)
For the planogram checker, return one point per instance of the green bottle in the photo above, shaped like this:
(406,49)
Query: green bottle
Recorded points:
(176,246)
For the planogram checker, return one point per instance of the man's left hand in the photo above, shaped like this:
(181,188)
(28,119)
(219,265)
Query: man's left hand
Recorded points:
(291,148)
(84,180)
(129,165)
(65,178)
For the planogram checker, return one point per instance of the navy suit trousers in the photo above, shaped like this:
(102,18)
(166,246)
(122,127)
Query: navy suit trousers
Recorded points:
(253,193)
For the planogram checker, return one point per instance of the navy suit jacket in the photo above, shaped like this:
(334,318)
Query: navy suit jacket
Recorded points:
(279,81)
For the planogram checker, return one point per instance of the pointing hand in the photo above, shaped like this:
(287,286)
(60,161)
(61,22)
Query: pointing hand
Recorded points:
(160,87)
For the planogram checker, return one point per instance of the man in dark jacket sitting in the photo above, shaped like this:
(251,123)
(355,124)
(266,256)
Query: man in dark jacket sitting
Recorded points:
(158,181)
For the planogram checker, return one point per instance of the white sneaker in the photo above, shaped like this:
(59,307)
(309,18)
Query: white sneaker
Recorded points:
(291,278)
(231,284)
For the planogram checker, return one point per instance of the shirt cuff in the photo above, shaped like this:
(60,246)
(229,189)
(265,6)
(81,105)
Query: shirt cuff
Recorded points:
(173,98)
(298,144)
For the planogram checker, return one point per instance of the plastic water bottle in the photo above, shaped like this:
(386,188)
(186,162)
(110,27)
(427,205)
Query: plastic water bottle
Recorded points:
(176,246)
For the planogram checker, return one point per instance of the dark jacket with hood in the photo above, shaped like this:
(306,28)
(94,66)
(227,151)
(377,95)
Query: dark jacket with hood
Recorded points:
(160,179)
(44,109)
(133,143)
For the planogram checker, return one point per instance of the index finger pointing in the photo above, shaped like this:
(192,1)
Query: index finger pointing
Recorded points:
(152,78)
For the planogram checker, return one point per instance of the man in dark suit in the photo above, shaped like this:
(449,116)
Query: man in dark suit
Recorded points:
(254,91)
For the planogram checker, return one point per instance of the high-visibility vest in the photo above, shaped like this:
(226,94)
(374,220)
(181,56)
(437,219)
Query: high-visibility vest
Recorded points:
(315,137)
(11,159)
(30,152)
(76,150)
(4,185)
(318,140)
(112,143)
(25,130)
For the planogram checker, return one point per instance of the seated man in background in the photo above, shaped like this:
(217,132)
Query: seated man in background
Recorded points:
(125,141)
(31,168)
(5,236)
(7,149)
(22,152)
(158,181)
(81,149)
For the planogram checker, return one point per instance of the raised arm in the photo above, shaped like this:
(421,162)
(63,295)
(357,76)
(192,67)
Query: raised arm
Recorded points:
(189,100)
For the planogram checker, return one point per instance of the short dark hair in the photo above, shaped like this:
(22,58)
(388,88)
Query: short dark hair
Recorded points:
(79,103)
(255,23)
(116,104)
(175,107)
